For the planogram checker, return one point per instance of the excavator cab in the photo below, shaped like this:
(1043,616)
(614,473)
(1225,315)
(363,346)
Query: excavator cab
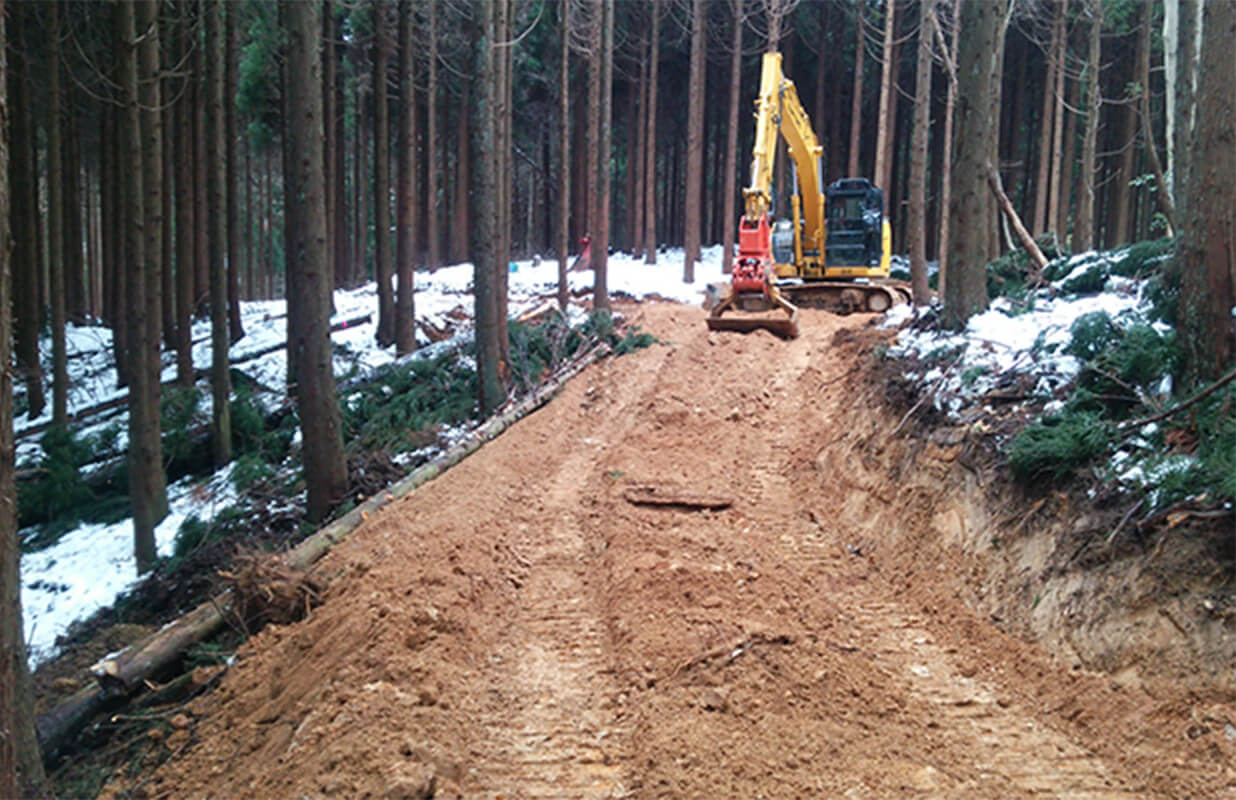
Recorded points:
(855,221)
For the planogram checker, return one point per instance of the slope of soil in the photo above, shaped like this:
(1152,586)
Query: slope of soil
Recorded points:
(518,629)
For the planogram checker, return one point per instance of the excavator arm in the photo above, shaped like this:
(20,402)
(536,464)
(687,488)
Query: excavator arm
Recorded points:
(779,112)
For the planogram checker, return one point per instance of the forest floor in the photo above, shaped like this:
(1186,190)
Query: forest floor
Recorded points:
(519,628)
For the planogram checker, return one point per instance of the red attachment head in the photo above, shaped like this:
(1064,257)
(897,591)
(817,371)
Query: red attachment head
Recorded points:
(753,269)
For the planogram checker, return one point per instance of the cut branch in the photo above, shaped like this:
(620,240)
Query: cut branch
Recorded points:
(1023,235)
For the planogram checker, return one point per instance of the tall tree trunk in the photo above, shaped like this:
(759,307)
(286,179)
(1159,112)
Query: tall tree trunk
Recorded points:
(502,56)
(305,189)
(360,173)
(490,389)
(1084,237)
(593,174)
(186,223)
(232,220)
(650,173)
(24,230)
(978,57)
(1053,219)
(336,50)
(405,188)
(1163,193)
(1047,121)
(74,283)
(55,226)
(382,179)
(600,248)
(332,144)
(917,233)
(461,228)
(167,170)
(856,105)
(636,165)
(1208,241)
(1126,145)
(21,769)
(564,160)
(433,204)
(1181,136)
(730,188)
(946,164)
(695,142)
(201,215)
(884,126)
(216,213)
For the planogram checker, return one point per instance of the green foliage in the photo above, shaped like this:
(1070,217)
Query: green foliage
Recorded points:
(1143,258)
(406,399)
(179,415)
(60,497)
(1057,445)
(195,533)
(1090,281)
(258,87)
(250,470)
(1091,334)
(1008,276)
(189,537)
(1120,367)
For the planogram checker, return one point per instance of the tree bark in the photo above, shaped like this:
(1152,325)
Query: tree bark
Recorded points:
(167,289)
(23,190)
(1208,246)
(305,189)
(917,232)
(382,179)
(1163,193)
(978,56)
(336,49)
(230,164)
(21,769)
(405,330)
(1181,138)
(650,174)
(1052,219)
(55,224)
(461,223)
(564,157)
(216,214)
(186,224)
(695,142)
(1085,234)
(600,248)
(433,204)
(856,105)
(888,71)
(1051,87)
(592,142)
(730,187)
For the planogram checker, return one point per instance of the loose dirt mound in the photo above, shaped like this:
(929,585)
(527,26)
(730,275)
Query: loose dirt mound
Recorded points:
(519,629)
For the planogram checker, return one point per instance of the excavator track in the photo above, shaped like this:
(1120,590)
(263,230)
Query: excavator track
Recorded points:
(847,297)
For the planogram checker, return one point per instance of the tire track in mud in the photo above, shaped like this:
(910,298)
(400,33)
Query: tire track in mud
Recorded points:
(559,735)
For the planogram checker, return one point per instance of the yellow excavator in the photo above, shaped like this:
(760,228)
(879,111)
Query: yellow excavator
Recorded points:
(834,251)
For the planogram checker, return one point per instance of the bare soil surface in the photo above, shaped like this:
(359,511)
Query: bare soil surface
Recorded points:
(518,629)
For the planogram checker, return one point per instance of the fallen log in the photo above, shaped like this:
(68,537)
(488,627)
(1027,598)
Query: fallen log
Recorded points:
(122,675)
(200,372)
(1027,241)
(674,497)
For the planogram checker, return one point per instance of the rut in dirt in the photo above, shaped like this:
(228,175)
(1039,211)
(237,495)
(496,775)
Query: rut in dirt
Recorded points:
(517,628)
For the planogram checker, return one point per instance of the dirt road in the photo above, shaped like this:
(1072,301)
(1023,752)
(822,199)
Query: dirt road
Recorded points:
(517,629)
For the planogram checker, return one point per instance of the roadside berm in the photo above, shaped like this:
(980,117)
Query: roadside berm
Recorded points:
(802,612)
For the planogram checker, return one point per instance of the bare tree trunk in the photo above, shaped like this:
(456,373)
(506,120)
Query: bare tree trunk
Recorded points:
(305,189)
(216,213)
(917,233)
(21,768)
(235,329)
(695,142)
(650,174)
(1052,219)
(461,224)
(1163,193)
(978,56)
(201,214)
(888,70)
(856,107)
(593,174)
(1047,122)
(382,179)
(186,224)
(405,330)
(55,225)
(1183,100)
(1085,234)
(167,54)
(564,160)
(23,191)
(600,245)
(336,49)
(332,144)
(946,165)
(1208,241)
(503,60)
(730,188)
(433,204)
(491,392)
(636,166)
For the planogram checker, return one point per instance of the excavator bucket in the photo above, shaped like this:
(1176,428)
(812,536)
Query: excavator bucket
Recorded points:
(751,319)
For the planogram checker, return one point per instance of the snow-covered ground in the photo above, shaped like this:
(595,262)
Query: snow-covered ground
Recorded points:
(89,566)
